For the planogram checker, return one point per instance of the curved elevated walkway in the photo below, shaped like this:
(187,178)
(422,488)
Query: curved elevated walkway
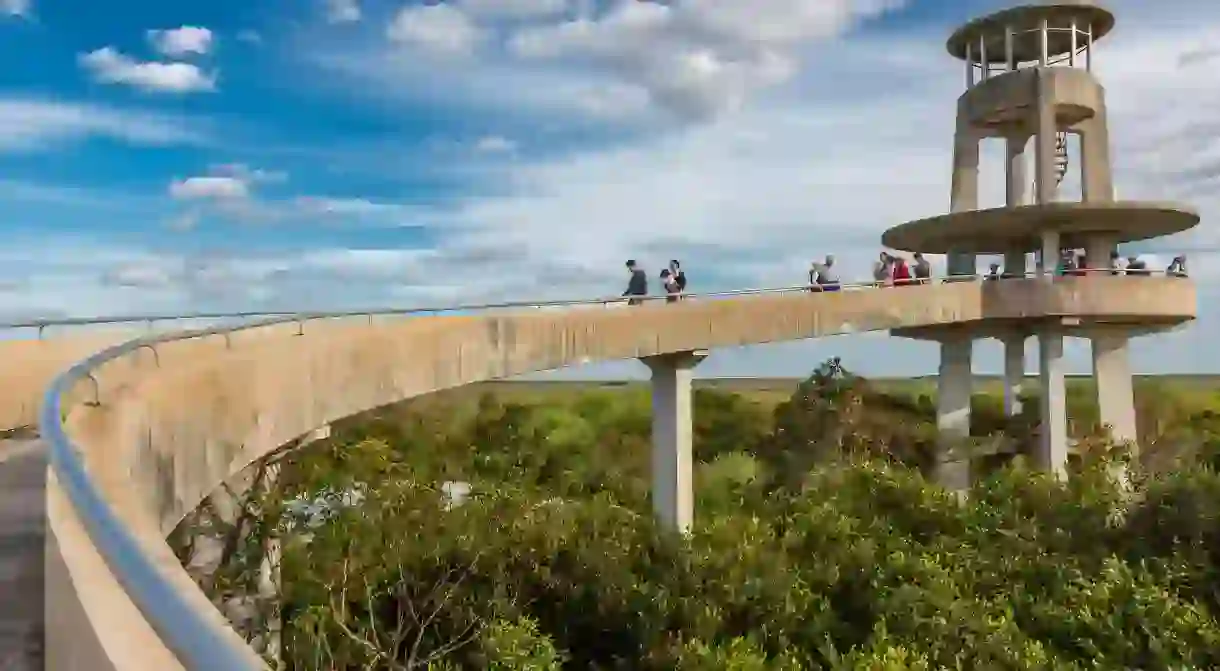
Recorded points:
(161,426)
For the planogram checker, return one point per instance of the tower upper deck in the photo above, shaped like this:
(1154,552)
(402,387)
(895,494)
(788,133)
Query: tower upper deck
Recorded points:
(1035,34)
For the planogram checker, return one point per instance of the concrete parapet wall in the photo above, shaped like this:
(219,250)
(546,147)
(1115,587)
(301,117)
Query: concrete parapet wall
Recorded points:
(167,433)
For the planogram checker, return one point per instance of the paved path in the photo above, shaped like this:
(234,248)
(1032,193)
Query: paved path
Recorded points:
(22,528)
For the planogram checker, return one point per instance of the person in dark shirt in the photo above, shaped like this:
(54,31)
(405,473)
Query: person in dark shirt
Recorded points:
(637,285)
(679,275)
(923,269)
(1177,268)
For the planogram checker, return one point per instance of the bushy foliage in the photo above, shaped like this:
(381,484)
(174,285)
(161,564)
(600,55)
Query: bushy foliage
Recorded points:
(818,543)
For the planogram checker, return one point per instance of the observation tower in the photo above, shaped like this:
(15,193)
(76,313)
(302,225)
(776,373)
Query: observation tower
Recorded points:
(1028,77)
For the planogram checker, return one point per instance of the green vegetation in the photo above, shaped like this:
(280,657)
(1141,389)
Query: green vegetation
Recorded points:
(818,543)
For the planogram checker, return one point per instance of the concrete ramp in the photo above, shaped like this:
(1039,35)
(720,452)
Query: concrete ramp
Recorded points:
(22,531)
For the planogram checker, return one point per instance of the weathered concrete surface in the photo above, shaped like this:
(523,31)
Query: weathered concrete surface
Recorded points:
(28,366)
(22,526)
(167,434)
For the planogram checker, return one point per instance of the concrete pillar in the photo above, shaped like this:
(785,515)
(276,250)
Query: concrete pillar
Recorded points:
(1044,142)
(1014,373)
(673,492)
(1098,248)
(1014,196)
(1115,397)
(953,389)
(1014,170)
(1050,255)
(964,190)
(1096,176)
(1053,442)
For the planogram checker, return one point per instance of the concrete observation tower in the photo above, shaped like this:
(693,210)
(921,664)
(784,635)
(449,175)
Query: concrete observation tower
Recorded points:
(1029,77)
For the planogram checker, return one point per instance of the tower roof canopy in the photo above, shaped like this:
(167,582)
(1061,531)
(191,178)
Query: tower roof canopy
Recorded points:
(1002,229)
(1028,17)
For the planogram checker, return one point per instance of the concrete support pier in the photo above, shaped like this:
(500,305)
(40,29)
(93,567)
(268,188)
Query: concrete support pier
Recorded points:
(954,387)
(673,487)
(1115,396)
(1053,440)
(1014,373)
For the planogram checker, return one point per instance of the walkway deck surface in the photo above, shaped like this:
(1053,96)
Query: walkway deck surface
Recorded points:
(22,532)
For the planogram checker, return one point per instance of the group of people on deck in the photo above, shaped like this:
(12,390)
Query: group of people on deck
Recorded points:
(673,280)
(889,270)
(894,270)
(1075,263)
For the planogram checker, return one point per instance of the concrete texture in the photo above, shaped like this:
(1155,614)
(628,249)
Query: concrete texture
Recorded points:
(673,475)
(953,393)
(28,366)
(1115,397)
(1003,229)
(1014,373)
(1053,440)
(22,525)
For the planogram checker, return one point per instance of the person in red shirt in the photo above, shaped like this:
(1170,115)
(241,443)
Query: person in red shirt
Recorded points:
(902,272)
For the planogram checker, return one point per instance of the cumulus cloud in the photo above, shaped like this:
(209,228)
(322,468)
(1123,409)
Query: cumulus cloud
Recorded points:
(514,9)
(700,57)
(495,144)
(209,188)
(342,11)
(438,30)
(31,124)
(108,66)
(17,8)
(183,41)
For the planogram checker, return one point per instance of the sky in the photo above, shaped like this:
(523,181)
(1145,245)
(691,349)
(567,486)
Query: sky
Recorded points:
(336,154)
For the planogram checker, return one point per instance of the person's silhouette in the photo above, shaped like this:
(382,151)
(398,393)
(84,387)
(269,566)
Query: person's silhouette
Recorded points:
(637,285)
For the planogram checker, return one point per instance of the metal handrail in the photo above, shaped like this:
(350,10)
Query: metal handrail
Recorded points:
(197,641)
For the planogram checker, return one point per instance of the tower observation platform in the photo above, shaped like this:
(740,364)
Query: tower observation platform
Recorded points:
(1029,80)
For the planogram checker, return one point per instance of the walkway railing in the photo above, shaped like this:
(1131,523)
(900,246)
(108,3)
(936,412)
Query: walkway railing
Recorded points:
(306,315)
(198,641)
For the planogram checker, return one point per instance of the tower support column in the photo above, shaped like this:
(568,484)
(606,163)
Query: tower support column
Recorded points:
(1014,196)
(953,390)
(673,493)
(1053,441)
(1098,249)
(1014,372)
(1115,395)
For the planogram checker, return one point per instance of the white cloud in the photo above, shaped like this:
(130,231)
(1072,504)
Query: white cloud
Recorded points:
(250,36)
(495,144)
(514,9)
(700,57)
(18,8)
(341,206)
(439,30)
(29,124)
(108,66)
(183,41)
(342,11)
(209,188)
(245,173)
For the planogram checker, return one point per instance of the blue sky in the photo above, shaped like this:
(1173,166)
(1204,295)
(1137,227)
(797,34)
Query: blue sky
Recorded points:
(223,155)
